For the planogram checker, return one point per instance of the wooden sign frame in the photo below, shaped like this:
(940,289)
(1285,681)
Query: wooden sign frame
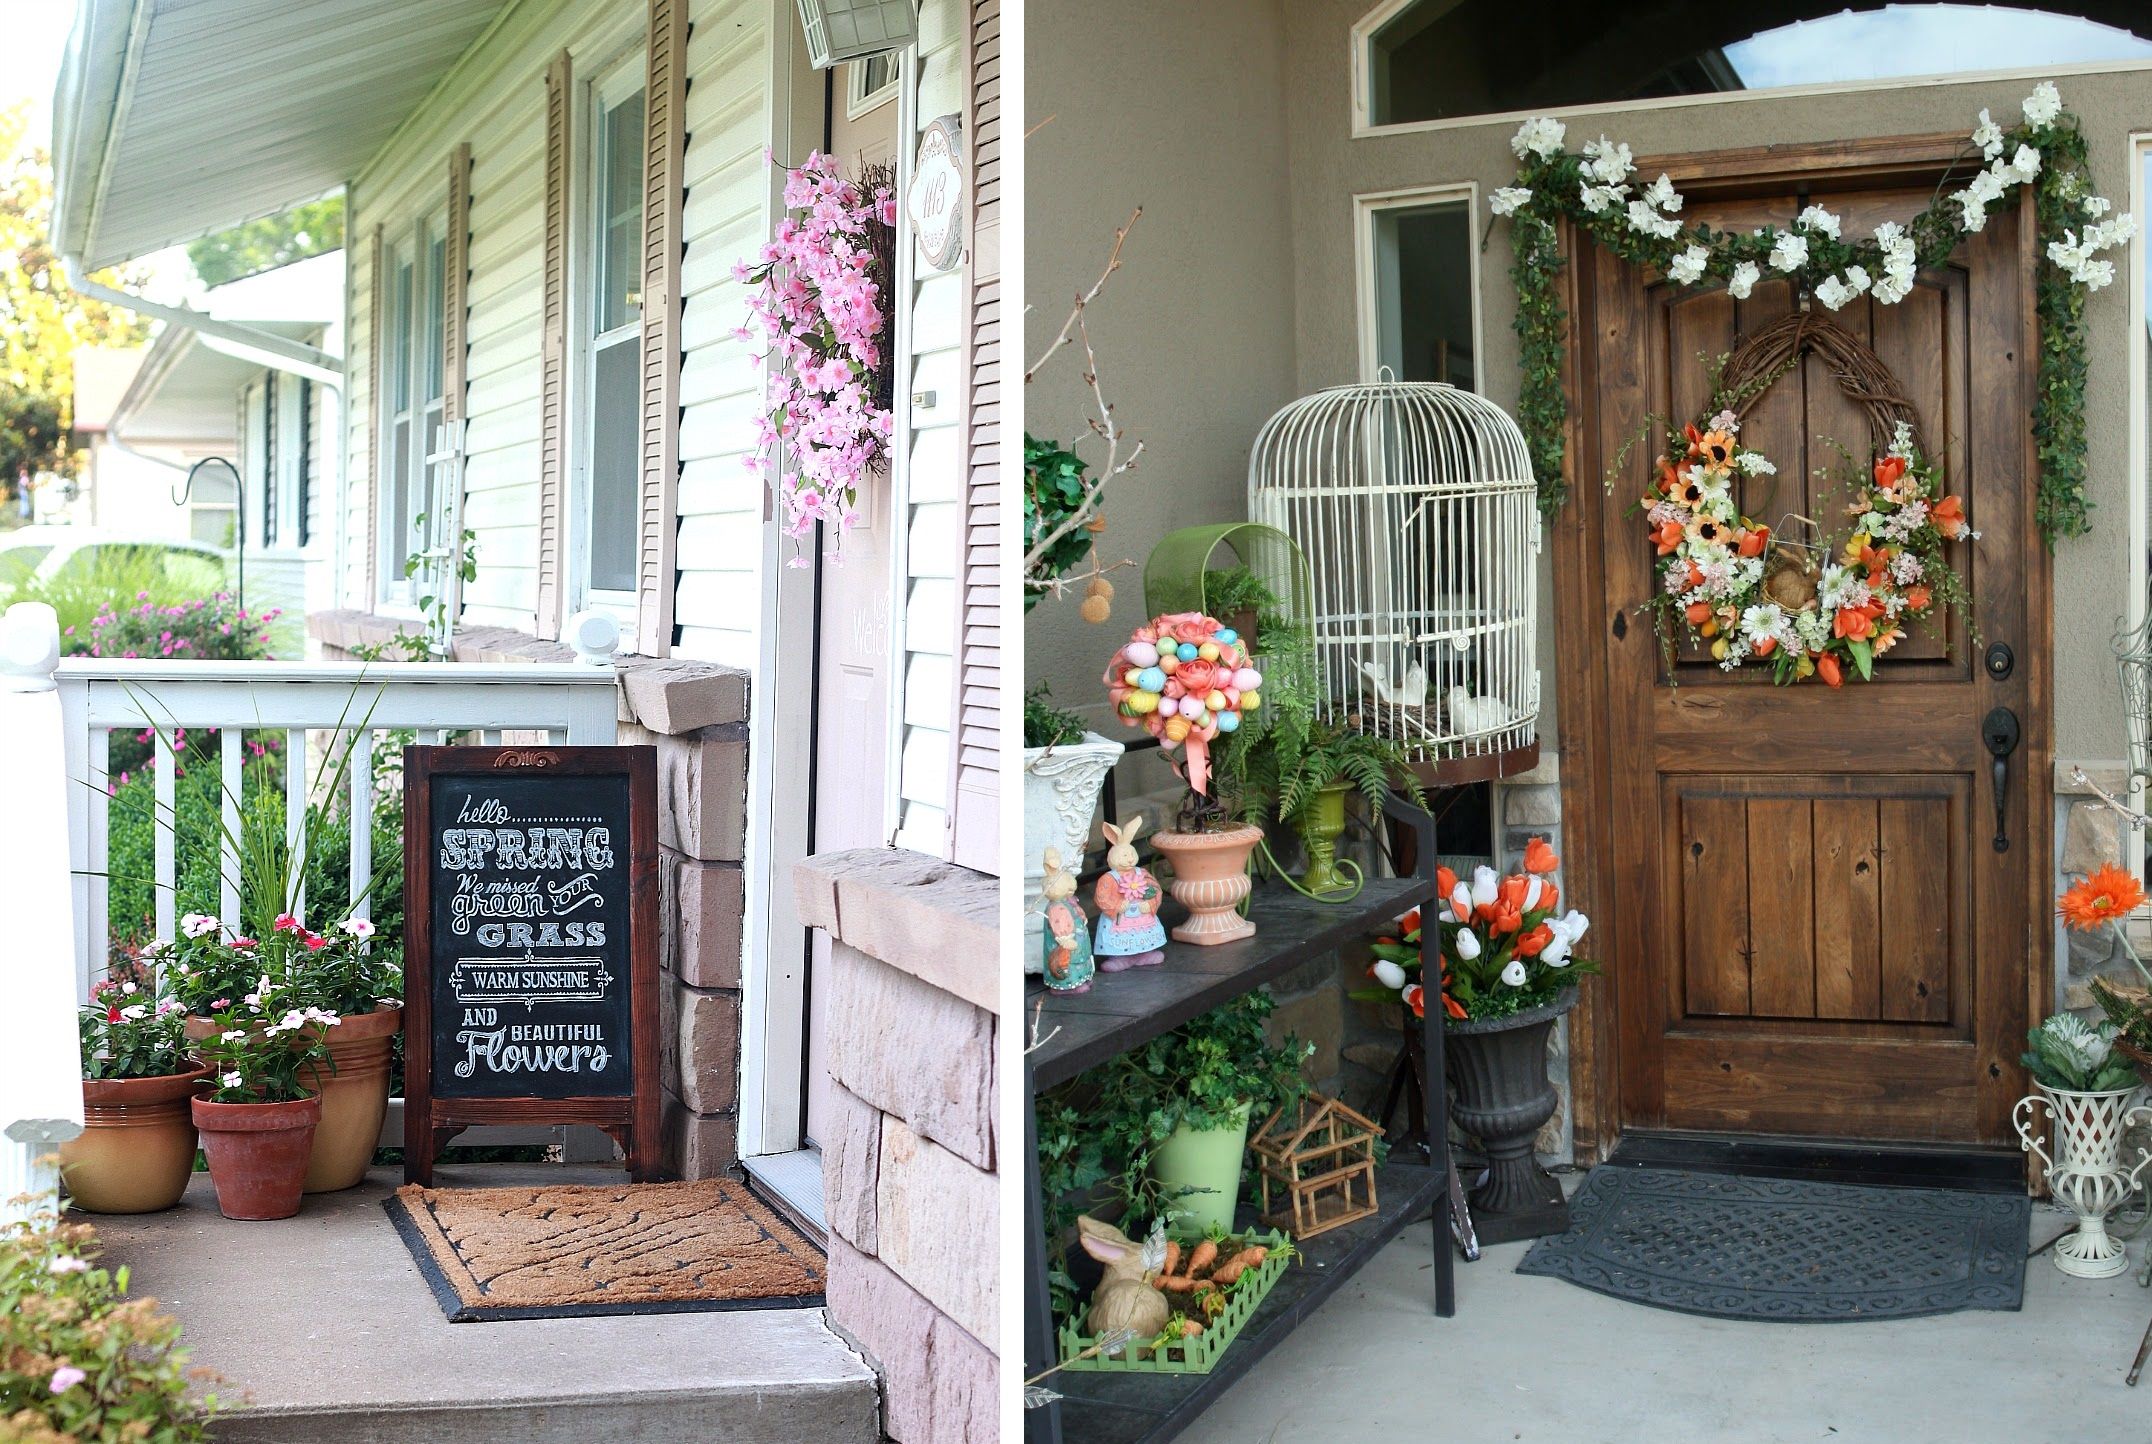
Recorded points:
(631,1120)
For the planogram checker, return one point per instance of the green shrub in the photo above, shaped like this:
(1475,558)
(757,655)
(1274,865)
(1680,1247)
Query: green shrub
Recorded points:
(80,1362)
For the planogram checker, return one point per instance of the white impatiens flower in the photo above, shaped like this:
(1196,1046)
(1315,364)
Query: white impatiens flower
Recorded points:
(1687,268)
(1541,136)
(1972,210)
(196,925)
(1834,293)
(64,1264)
(1609,160)
(1514,973)
(231,1080)
(2097,206)
(1816,218)
(2043,105)
(1988,136)
(1508,200)
(1468,944)
(1389,974)
(232,1035)
(1743,280)
(358,927)
(1662,194)
(2023,167)
(1598,198)
(1789,252)
(2096,275)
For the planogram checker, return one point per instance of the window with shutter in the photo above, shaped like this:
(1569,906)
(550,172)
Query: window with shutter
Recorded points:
(663,202)
(553,353)
(975,766)
(607,305)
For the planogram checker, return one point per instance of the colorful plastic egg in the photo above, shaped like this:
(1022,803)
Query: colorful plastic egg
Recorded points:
(1249,701)
(1187,651)
(1144,703)
(1215,701)
(1133,676)
(1168,663)
(1247,679)
(1150,679)
(1228,722)
(1227,634)
(1208,651)
(1176,729)
(1140,654)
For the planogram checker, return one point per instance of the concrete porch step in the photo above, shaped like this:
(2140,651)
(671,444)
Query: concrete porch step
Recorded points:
(325,1326)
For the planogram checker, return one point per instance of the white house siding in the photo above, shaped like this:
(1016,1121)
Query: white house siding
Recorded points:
(933,475)
(355,522)
(729,208)
(494,99)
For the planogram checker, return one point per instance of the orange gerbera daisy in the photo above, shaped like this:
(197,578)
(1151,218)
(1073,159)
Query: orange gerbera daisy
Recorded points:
(2108,895)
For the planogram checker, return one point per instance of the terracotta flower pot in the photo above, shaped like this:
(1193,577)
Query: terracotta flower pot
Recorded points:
(354,1095)
(354,1098)
(1210,877)
(257,1154)
(136,1151)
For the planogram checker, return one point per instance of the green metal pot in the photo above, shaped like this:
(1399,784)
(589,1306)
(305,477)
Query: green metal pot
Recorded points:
(1198,1174)
(1320,823)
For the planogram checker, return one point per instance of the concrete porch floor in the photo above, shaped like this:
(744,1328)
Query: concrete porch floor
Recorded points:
(329,1329)
(1539,1360)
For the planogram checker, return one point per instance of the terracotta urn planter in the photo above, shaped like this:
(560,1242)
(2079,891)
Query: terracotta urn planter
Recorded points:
(257,1154)
(1499,1094)
(354,1095)
(1210,878)
(136,1151)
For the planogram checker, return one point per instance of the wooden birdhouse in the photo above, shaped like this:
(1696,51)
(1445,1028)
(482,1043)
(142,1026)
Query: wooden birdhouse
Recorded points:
(1319,1158)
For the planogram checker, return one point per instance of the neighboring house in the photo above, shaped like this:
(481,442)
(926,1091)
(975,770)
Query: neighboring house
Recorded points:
(198,399)
(108,468)
(544,203)
(1327,216)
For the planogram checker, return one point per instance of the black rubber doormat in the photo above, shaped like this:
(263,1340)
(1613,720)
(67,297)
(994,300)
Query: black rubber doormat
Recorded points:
(1787,1251)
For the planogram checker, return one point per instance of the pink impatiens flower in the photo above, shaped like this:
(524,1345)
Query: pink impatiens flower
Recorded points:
(66,1377)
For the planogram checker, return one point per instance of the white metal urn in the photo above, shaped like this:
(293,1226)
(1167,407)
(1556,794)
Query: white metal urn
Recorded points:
(1061,787)
(2086,1172)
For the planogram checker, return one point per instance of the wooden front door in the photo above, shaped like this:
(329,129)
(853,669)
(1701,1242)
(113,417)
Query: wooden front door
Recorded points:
(1808,926)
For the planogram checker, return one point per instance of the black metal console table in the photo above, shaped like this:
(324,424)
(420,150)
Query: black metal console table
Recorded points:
(1123,1011)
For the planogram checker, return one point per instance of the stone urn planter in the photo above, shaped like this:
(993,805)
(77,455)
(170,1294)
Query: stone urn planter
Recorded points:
(136,1150)
(1500,1094)
(1210,879)
(258,1154)
(354,1095)
(1061,787)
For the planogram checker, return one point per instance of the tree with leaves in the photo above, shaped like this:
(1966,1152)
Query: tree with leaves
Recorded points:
(42,321)
(272,241)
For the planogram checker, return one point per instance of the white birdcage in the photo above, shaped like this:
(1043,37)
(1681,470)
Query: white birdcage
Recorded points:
(1415,505)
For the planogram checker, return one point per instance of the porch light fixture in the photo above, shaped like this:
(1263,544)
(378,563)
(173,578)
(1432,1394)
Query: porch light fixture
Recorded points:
(1415,506)
(854,29)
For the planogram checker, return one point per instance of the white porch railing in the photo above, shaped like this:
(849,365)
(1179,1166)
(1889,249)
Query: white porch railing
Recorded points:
(317,708)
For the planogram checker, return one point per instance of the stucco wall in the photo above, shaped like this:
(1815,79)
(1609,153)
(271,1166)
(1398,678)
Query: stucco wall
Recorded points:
(1177,108)
(1327,168)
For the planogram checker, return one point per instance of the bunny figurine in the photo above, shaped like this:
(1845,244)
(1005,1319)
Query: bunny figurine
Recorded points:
(1068,946)
(1125,1298)
(1128,897)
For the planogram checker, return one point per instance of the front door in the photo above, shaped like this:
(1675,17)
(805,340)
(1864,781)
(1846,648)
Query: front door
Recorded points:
(1811,927)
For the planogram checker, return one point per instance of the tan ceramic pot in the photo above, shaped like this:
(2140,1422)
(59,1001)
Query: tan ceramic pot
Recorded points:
(354,1095)
(136,1151)
(1210,877)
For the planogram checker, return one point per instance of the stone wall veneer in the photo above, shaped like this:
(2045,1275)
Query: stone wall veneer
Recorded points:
(910,1191)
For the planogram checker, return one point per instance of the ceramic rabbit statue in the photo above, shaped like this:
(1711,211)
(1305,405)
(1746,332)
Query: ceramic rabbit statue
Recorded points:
(1068,963)
(1125,1298)
(1128,897)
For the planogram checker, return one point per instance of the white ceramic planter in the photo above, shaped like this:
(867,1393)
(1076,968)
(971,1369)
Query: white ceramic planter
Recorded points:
(2087,1173)
(1061,787)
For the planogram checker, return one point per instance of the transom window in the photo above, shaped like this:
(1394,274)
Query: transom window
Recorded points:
(869,83)
(611,410)
(1432,60)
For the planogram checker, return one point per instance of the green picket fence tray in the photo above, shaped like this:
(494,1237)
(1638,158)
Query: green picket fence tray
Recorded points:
(1201,1353)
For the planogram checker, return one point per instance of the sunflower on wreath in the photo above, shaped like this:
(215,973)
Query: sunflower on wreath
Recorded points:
(1747,598)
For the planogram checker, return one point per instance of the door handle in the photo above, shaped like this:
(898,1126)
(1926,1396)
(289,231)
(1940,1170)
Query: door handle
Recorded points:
(1999,731)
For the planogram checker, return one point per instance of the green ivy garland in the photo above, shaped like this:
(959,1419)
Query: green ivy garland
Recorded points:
(1596,189)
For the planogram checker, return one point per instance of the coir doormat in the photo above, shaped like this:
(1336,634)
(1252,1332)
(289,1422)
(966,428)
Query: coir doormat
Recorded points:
(575,1250)
(1787,1251)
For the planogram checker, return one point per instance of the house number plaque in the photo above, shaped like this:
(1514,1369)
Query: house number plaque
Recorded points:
(530,944)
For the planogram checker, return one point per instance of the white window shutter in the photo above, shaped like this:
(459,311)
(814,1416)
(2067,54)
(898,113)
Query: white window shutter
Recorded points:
(553,355)
(664,198)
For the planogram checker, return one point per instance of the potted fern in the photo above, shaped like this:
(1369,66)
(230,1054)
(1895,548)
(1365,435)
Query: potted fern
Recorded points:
(1307,769)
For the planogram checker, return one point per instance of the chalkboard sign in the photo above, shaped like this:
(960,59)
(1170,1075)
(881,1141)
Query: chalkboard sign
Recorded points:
(530,944)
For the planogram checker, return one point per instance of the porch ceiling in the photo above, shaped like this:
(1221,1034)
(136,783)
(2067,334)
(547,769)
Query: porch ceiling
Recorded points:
(176,118)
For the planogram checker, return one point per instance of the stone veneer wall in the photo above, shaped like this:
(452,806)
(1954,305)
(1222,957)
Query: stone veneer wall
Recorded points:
(695,714)
(910,1158)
